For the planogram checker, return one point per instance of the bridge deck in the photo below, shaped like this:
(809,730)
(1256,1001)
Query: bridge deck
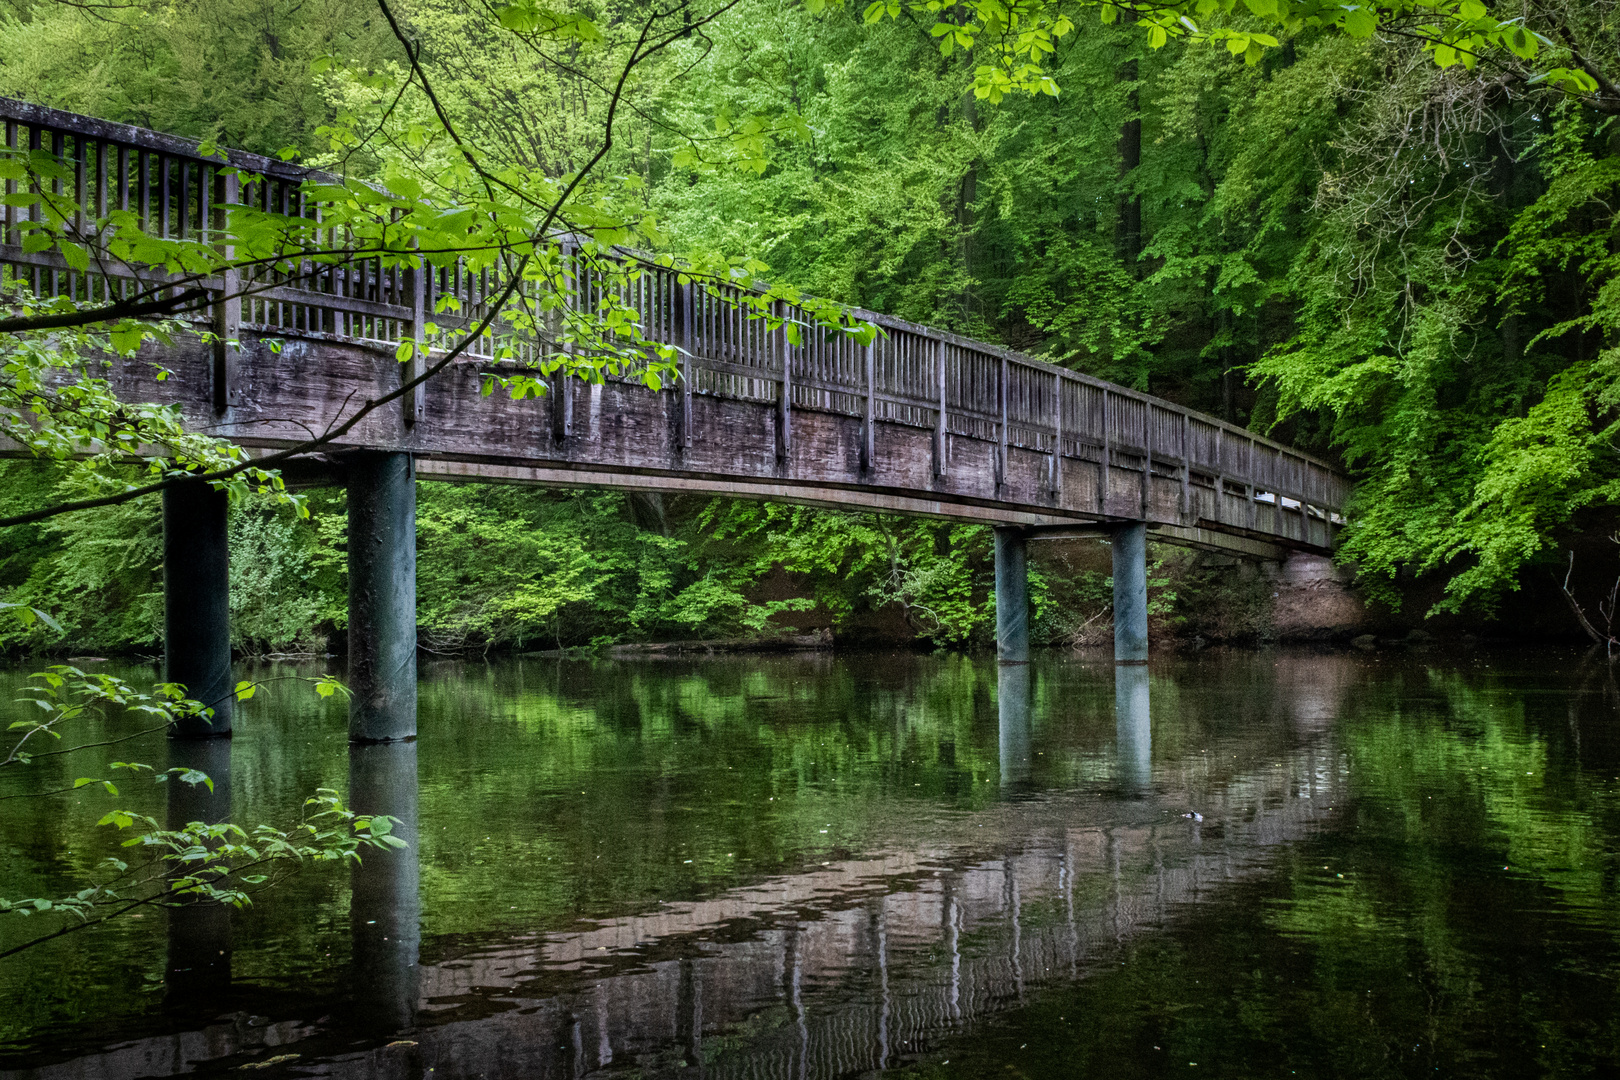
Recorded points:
(920,422)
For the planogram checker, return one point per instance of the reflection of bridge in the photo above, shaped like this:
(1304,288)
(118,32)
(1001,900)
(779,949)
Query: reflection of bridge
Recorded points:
(838,970)
(919,422)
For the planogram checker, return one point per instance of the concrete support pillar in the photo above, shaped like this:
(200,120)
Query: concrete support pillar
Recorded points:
(1012,595)
(1133,728)
(1130,594)
(1012,713)
(197,604)
(385,909)
(198,967)
(382,598)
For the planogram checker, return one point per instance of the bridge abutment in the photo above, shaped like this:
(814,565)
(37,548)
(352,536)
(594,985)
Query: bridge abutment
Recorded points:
(382,597)
(1129,543)
(197,604)
(1012,595)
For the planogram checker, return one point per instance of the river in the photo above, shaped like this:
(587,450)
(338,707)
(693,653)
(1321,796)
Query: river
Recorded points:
(1245,864)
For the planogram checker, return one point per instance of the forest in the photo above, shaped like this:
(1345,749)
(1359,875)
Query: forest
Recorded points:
(1394,243)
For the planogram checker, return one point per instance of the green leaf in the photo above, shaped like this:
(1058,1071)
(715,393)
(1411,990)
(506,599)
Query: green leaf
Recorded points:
(245,690)
(405,351)
(1360,21)
(74,255)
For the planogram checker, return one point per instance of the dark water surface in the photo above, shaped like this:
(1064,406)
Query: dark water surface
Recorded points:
(1403,865)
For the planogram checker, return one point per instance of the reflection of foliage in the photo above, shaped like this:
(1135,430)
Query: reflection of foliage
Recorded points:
(202,863)
(198,862)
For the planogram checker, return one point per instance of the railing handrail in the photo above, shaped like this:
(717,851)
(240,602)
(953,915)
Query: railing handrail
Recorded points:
(25,112)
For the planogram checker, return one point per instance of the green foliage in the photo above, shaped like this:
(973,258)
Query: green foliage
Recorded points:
(198,862)
(100,575)
(933,572)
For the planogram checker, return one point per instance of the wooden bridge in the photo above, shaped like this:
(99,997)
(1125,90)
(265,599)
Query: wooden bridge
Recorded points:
(919,422)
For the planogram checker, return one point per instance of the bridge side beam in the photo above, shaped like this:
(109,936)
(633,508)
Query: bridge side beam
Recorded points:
(197,604)
(382,597)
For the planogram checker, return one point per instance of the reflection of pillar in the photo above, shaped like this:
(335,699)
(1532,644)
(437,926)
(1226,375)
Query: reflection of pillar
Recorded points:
(385,906)
(197,603)
(1015,905)
(199,960)
(689,1013)
(1068,905)
(951,916)
(1130,594)
(793,980)
(1012,595)
(382,598)
(1012,708)
(1133,728)
(880,945)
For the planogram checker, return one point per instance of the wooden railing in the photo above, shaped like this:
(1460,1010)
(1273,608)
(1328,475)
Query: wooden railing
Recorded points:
(910,375)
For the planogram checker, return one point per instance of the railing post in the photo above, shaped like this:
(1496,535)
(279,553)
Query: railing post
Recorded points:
(1249,480)
(415,402)
(940,426)
(228,305)
(784,400)
(9,236)
(1104,465)
(1147,457)
(562,385)
(869,420)
(1056,477)
(1002,379)
(684,338)
(1186,468)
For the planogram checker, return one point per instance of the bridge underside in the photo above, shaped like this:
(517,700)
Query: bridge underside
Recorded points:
(620,435)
